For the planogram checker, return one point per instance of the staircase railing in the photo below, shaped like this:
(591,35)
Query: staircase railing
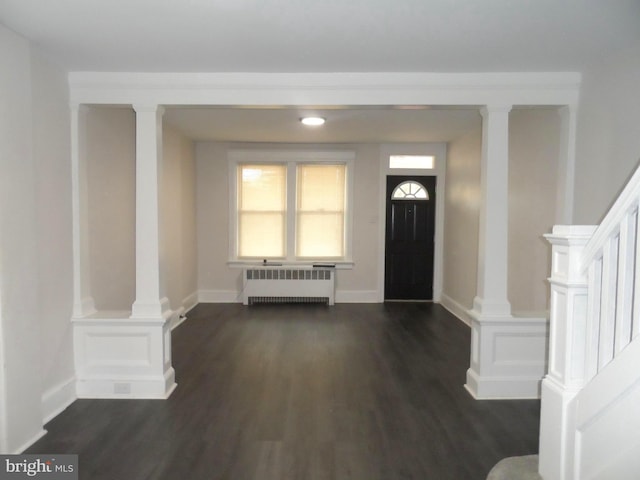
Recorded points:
(595,316)
(611,261)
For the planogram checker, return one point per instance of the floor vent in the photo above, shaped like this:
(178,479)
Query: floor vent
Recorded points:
(289,285)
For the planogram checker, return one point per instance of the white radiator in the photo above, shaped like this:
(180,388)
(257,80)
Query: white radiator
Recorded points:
(288,285)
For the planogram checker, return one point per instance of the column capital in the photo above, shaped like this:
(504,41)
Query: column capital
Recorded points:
(495,108)
(148,108)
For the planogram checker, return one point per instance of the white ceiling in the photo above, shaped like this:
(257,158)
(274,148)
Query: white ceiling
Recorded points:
(325,36)
(344,124)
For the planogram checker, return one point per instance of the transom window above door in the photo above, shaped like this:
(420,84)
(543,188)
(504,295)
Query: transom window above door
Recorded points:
(410,190)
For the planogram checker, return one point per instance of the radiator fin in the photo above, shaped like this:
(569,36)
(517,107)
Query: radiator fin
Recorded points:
(279,300)
(288,285)
(288,274)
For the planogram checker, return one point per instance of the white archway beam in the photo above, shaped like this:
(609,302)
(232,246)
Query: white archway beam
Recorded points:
(325,88)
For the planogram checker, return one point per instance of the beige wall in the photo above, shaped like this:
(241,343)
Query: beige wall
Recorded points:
(534,148)
(534,143)
(178,213)
(111,179)
(461,217)
(220,281)
(608,133)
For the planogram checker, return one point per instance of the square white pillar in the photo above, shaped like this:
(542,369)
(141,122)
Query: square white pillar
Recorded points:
(508,354)
(150,301)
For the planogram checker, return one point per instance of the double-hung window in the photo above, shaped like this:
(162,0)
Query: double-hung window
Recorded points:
(290,206)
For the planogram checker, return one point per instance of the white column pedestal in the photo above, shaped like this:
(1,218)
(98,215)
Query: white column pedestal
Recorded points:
(121,357)
(508,356)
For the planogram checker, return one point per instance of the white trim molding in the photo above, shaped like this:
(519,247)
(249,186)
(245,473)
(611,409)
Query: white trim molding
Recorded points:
(219,296)
(58,398)
(362,88)
(456,308)
(439,152)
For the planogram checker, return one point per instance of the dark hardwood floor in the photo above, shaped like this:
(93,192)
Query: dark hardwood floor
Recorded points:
(366,392)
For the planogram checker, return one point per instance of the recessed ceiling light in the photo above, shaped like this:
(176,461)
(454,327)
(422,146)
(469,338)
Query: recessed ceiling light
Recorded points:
(312,121)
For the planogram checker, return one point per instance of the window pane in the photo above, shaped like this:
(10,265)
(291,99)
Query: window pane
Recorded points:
(261,210)
(261,234)
(262,187)
(321,187)
(320,235)
(410,191)
(320,211)
(412,161)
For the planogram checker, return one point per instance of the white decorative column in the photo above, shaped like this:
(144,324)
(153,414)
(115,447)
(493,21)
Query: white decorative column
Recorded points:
(118,355)
(151,311)
(150,301)
(566,164)
(491,298)
(83,304)
(566,350)
(508,354)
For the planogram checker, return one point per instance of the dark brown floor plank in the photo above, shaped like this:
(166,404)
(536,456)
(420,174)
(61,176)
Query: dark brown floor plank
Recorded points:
(304,392)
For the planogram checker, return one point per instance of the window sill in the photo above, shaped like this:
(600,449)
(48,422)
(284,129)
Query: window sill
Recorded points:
(338,265)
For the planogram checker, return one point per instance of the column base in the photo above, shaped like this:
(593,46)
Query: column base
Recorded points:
(123,358)
(508,356)
(135,387)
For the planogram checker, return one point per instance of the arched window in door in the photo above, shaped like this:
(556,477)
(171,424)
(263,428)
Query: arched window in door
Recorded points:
(410,190)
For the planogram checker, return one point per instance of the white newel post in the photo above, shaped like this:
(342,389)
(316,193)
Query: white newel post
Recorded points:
(83,304)
(567,346)
(490,304)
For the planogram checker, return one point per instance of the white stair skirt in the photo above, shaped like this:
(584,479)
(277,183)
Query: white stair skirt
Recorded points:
(508,357)
(121,357)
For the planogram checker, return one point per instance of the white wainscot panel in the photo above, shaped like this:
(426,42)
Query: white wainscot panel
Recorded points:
(123,358)
(508,357)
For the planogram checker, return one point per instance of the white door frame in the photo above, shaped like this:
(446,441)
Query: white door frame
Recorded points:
(439,151)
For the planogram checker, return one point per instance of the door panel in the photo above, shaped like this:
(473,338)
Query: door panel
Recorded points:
(409,246)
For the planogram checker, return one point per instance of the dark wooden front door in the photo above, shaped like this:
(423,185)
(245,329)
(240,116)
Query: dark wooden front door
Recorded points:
(410,233)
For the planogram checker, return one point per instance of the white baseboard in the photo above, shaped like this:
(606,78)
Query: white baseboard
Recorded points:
(219,296)
(178,316)
(30,442)
(357,296)
(189,302)
(456,308)
(57,398)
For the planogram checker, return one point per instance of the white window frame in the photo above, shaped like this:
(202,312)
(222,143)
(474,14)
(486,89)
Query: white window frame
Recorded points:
(291,158)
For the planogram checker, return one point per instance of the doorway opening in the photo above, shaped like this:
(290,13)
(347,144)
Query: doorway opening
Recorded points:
(409,237)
